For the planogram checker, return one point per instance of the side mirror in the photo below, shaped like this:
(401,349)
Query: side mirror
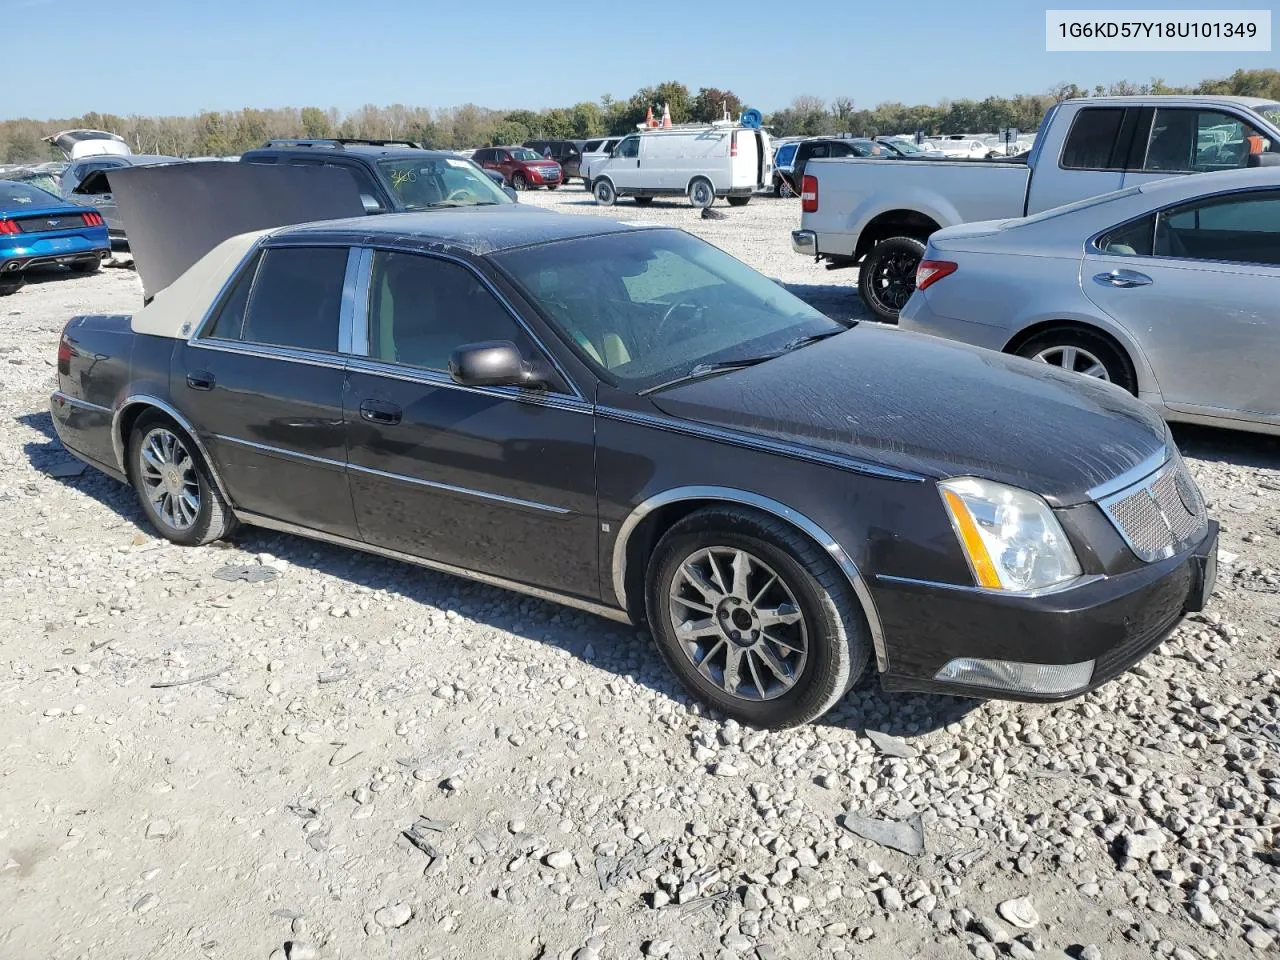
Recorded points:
(370,204)
(511,192)
(492,363)
(1263,160)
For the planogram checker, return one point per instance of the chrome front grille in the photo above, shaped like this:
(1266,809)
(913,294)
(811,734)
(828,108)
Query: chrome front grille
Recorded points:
(1161,514)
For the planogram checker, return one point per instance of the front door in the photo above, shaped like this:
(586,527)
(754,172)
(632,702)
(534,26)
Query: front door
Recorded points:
(263,386)
(1196,284)
(623,168)
(495,480)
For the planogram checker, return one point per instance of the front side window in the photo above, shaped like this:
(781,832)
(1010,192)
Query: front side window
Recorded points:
(630,147)
(1241,228)
(421,309)
(649,306)
(1091,144)
(785,154)
(426,183)
(521,154)
(294,300)
(1200,141)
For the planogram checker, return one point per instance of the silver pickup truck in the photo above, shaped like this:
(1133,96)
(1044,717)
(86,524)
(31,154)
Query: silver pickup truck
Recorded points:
(878,213)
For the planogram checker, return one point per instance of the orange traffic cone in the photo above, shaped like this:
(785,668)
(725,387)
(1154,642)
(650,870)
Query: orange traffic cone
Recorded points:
(666,116)
(648,118)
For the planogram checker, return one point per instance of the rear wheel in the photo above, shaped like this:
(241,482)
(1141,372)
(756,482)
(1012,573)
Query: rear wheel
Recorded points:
(643,201)
(739,201)
(174,485)
(753,617)
(887,276)
(87,266)
(519,181)
(701,193)
(11,282)
(1084,352)
(604,193)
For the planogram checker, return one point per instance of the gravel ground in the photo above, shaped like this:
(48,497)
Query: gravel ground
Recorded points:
(341,756)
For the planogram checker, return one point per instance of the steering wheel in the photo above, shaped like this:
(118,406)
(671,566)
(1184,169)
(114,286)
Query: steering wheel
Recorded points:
(460,194)
(695,311)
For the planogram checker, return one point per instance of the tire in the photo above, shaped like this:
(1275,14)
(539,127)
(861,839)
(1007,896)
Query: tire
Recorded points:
(827,645)
(211,519)
(87,266)
(586,184)
(11,283)
(887,276)
(519,181)
(1085,350)
(701,193)
(738,201)
(604,193)
(643,201)
(553,186)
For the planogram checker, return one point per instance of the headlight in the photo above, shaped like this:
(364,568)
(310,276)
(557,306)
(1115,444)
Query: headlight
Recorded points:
(1010,537)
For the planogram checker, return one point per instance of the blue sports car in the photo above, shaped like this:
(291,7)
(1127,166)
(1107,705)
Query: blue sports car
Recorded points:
(37,228)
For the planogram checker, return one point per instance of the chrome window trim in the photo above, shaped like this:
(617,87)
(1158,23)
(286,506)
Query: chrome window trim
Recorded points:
(281,451)
(347,305)
(1133,475)
(599,609)
(267,351)
(359,343)
(764,444)
(118,445)
(779,510)
(465,491)
(434,378)
(1073,583)
(502,298)
(61,397)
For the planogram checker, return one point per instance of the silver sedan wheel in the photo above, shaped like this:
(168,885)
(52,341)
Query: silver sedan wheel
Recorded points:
(169,479)
(1075,359)
(738,623)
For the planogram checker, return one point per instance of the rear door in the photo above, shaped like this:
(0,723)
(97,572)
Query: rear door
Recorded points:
(1092,161)
(1197,286)
(495,480)
(263,385)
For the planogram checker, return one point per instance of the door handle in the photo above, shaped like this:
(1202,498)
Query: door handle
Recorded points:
(379,411)
(200,380)
(1122,278)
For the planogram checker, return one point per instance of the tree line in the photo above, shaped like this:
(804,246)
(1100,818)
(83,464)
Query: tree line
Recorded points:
(226,133)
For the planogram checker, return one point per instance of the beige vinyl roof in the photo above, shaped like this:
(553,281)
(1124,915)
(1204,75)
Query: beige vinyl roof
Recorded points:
(176,310)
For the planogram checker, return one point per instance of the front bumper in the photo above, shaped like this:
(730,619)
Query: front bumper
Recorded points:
(1111,621)
(540,179)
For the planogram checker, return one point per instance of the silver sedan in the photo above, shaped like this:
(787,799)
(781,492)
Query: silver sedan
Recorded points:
(1170,290)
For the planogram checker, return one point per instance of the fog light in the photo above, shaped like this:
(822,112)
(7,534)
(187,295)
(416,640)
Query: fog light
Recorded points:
(1008,675)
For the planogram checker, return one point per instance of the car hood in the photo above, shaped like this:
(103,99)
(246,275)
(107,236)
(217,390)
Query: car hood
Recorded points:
(934,407)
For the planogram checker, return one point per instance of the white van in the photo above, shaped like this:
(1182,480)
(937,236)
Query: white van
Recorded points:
(702,161)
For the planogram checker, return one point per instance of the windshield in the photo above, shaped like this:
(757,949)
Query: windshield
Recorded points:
(647,307)
(903,146)
(1270,112)
(421,184)
(523,154)
(17,196)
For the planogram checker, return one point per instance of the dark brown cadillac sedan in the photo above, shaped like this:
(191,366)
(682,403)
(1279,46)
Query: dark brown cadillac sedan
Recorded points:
(625,419)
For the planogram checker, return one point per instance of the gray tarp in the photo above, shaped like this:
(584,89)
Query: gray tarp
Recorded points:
(176,213)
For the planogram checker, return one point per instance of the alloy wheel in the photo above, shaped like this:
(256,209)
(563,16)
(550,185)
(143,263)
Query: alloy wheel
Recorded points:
(1075,359)
(895,280)
(169,479)
(738,622)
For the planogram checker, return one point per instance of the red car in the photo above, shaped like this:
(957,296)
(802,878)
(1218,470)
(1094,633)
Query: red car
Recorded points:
(521,167)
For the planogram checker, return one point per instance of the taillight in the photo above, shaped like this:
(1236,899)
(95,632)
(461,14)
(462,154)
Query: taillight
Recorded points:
(733,144)
(929,272)
(9,229)
(92,219)
(809,194)
(64,356)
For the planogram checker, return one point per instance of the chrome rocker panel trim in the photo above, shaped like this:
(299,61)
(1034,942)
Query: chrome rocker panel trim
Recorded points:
(779,510)
(539,593)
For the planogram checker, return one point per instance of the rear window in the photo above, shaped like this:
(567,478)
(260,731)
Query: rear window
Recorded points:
(17,196)
(1091,143)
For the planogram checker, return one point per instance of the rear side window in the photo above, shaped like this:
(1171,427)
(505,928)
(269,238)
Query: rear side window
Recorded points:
(1240,228)
(1131,240)
(296,298)
(1092,142)
(229,324)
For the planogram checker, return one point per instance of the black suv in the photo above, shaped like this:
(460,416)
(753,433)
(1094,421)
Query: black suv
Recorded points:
(567,153)
(393,175)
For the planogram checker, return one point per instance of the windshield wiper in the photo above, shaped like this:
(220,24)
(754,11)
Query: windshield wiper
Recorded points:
(711,369)
(458,203)
(804,341)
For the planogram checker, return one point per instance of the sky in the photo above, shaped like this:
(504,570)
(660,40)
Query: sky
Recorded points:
(184,56)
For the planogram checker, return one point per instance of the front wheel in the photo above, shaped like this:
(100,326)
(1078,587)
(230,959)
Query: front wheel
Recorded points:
(519,181)
(1084,352)
(754,617)
(173,484)
(701,193)
(553,186)
(604,193)
(887,276)
(739,201)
